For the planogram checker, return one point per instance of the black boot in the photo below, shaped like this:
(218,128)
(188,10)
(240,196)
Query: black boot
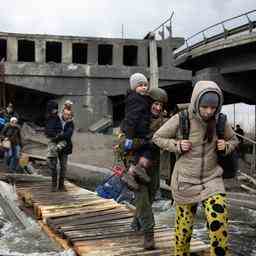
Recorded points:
(149,240)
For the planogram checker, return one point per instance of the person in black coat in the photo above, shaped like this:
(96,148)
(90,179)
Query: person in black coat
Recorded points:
(59,130)
(63,152)
(137,116)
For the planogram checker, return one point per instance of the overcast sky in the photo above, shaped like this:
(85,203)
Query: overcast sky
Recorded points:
(105,17)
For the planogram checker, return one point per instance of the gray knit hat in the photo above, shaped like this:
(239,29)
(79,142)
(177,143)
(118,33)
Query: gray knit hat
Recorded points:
(137,79)
(209,99)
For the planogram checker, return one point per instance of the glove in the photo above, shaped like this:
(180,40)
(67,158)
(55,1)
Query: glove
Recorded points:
(128,143)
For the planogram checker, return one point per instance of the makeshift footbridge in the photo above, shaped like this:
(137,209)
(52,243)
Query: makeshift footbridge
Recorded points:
(90,225)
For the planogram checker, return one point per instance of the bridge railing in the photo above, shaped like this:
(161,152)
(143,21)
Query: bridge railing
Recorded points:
(201,38)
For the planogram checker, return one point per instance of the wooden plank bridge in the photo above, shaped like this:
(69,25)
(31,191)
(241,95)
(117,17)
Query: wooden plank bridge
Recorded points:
(90,225)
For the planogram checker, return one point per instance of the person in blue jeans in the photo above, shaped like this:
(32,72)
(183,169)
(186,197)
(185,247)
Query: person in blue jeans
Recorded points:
(12,133)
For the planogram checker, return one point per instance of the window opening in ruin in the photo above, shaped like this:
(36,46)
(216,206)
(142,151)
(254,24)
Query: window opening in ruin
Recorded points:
(105,54)
(130,57)
(53,52)
(79,53)
(3,49)
(159,57)
(26,50)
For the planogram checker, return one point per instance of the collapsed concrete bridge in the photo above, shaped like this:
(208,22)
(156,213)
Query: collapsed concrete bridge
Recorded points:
(92,72)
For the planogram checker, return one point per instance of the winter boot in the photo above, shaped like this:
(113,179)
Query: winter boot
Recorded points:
(141,173)
(149,240)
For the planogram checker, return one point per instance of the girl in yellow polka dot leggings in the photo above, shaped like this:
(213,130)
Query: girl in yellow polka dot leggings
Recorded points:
(197,175)
(217,221)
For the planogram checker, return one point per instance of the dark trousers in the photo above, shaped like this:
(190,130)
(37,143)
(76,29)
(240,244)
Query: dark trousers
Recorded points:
(52,163)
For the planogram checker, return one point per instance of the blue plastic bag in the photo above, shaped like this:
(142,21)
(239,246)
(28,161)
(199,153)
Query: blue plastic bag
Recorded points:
(113,187)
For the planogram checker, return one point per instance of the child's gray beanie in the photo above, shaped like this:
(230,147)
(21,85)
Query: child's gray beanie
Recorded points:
(137,79)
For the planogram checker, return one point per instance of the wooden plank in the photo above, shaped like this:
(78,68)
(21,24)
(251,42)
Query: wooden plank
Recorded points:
(96,219)
(124,235)
(64,243)
(105,224)
(40,208)
(53,213)
(116,210)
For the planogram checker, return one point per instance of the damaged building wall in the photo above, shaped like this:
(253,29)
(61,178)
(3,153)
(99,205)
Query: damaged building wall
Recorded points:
(92,72)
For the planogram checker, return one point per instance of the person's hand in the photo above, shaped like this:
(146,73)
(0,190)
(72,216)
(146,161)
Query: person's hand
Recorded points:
(128,143)
(185,145)
(221,145)
(131,170)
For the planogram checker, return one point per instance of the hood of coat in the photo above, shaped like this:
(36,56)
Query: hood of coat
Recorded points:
(199,90)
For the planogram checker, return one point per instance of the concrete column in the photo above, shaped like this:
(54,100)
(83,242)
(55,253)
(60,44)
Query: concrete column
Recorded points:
(154,75)
(66,51)
(12,49)
(118,52)
(40,51)
(142,55)
(92,53)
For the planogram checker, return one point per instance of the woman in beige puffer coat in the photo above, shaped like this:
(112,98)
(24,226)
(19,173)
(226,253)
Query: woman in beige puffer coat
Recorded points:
(197,177)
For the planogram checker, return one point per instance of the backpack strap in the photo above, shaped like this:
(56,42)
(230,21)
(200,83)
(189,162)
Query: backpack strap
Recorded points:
(184,124)
(220,126)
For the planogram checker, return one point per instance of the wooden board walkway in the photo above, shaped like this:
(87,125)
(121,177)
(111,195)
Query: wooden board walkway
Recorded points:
(91,225)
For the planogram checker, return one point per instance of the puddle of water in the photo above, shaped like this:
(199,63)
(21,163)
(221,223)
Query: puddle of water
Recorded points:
(14,241)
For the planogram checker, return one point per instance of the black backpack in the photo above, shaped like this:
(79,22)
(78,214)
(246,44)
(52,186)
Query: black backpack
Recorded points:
(229,162)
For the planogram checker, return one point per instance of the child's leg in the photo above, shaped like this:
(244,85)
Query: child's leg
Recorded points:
(185,214)
(217,223)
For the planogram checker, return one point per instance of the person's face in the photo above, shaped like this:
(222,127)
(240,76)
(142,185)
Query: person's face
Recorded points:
(207,112)
(68,106)
(156,108)
(142,88)
(67,115)
(13,123)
